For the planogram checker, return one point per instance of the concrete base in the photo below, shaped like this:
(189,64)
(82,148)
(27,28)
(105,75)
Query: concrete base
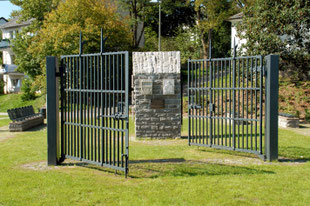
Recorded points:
(288,122)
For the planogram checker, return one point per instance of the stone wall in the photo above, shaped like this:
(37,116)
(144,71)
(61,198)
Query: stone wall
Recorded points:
(157,94)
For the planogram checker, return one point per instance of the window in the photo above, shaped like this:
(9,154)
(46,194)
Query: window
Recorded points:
(11,34)
(15,82)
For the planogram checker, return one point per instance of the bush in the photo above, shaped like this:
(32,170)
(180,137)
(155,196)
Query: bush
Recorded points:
(1,86)
(27,92)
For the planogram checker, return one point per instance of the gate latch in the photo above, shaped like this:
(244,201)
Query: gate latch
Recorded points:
(211,107)
(120,111)
(194,106)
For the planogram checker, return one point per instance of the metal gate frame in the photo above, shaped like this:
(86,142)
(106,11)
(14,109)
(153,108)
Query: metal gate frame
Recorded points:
(208,125)
(94,122)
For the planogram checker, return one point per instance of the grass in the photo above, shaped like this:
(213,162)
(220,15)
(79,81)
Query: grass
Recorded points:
(165,172)
(10,101)
(4,122)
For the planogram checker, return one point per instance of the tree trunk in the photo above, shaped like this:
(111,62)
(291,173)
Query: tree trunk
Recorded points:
(203,40)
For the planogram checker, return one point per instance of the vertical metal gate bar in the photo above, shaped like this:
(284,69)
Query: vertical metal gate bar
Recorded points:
(239,102)
(122,121)
(81,105)
(91,146)
(102,109)
(127,111)
(211,102)
(221,102)
(71,109)
(243,100)
(252,69)
(199,103)
(65,85)
(207,100)
(189,100)
(203,101)
(261,107)
(226,79)
(62,93)
(74,105)
(106,109)
(97,140)
(195,101)
(87,107)
(110,112)
(247,101)
(113,96)
(118,104)
(234,100)
(256,103)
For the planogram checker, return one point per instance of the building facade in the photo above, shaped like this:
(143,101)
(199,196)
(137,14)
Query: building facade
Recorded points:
(8,70)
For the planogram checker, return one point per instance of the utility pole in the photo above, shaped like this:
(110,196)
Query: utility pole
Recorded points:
(159,25)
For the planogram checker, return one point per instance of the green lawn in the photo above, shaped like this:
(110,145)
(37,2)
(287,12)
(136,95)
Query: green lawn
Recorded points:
(10,101)
(164,173)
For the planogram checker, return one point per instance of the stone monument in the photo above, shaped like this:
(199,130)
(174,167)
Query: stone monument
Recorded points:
(157,94)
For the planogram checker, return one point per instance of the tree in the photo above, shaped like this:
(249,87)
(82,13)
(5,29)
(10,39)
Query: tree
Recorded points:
(34,9)
(59,33)
(210,17)
(37,11)
(279,27)
(137,10)
(172,17)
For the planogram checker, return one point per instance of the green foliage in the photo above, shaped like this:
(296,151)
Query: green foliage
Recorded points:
(1,86)
(307,115)
(172,17)
(34,9)
(59,35)
(27,92)
(137,10)
(210,19)
(1,58)
(279,27)
(185,41)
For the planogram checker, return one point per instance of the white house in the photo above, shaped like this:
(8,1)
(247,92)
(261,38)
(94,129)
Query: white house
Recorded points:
(235,19)
(12,78)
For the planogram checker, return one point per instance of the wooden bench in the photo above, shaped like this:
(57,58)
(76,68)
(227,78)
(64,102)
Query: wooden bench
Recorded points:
(24,118)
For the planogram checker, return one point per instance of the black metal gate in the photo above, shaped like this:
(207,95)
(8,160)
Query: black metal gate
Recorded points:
(94,108)
(226,100)
(94,114)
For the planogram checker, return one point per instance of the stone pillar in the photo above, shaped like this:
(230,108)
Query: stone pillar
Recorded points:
(157,94)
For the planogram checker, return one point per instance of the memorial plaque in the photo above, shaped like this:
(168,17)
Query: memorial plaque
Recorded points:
(157,104)
(146,87)
(168,87)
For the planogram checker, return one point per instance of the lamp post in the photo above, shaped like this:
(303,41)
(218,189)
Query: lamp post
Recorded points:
(159,25)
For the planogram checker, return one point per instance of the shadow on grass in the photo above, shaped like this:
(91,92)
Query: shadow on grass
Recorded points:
(189,168)
(178,167)
(294,154)
(37,128)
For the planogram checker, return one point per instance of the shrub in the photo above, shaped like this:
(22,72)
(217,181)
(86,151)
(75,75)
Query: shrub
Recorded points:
(1,86)
(27,92)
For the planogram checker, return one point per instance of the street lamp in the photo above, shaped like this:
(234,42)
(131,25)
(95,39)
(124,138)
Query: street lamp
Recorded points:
(159,25)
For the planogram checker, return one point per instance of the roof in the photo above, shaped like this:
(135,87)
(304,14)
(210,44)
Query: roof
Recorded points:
(236,17)
(3,20)
(4,44)
(9,68)
(15,23)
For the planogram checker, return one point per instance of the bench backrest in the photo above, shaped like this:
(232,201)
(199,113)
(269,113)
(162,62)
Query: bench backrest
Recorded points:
(20,113)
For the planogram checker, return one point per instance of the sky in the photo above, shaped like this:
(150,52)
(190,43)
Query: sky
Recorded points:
(6,8)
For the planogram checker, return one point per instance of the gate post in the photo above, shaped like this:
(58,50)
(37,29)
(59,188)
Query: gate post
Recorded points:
(52,71)
(271,111)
